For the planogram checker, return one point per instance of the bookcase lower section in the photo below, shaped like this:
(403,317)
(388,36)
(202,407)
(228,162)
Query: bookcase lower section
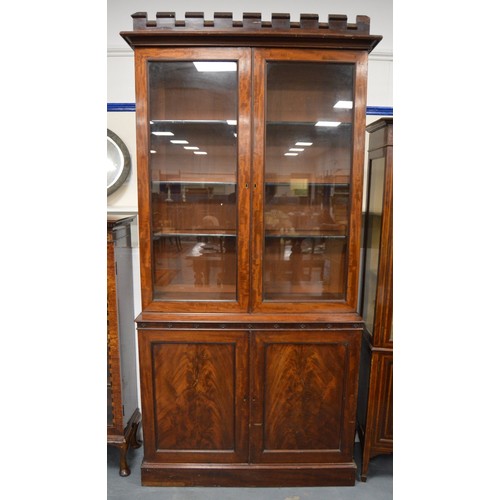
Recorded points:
(248,475)
(240,404)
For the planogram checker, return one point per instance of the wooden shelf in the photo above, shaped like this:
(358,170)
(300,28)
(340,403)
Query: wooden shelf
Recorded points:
(194,179)
(309,234)
(195,232)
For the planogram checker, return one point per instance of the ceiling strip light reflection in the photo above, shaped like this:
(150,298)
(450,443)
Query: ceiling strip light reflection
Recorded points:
(203,66)
(343,105)
(327,124)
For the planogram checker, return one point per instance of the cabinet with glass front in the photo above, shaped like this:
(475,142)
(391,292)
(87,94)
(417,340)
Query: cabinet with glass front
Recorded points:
(376,374)
(250,144)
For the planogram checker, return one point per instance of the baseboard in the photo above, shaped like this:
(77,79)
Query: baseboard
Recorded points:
(248,475)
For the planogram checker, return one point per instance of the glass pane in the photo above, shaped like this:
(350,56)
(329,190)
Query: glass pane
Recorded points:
(193,165)
(372,245)
(307,180)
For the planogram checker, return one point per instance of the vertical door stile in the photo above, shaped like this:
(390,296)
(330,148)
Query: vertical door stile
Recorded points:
(256,396)
(358,147)
(258,144)
(244,176)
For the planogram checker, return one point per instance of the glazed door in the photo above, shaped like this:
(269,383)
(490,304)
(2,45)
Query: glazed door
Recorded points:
(304,386)
(308,163)
(377,269)
(193,153)
(206,119)
(195,396)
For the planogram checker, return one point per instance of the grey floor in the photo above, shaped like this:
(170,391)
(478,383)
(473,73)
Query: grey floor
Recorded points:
(377,487)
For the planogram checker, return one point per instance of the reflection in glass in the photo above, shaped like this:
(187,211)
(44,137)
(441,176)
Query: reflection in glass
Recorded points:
(307,180)
(374,228)
(193,162)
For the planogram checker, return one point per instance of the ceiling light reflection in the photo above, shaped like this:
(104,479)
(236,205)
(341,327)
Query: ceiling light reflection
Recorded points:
(343,105)
(324,123)
(215,65)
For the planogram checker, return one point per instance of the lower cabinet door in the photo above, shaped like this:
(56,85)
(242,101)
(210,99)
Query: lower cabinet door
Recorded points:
(381,400)
(304,387)
(194,395)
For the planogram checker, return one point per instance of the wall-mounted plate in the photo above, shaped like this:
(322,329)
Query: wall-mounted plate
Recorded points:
(118,162)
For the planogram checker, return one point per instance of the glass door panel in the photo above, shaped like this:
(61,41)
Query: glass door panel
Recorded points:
(307,180)
(193,167)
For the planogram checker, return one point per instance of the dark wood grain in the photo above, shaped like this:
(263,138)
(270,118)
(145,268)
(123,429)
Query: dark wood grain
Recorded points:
(194,390)
(303,396)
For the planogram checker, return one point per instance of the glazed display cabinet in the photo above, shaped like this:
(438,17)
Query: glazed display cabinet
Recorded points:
(250,144)
(376,388)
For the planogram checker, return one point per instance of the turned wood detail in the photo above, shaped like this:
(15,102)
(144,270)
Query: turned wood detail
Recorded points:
(251,21)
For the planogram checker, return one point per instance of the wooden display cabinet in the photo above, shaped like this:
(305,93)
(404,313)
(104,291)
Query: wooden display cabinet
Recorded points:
(123,414)
(250,185)
(375,394)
